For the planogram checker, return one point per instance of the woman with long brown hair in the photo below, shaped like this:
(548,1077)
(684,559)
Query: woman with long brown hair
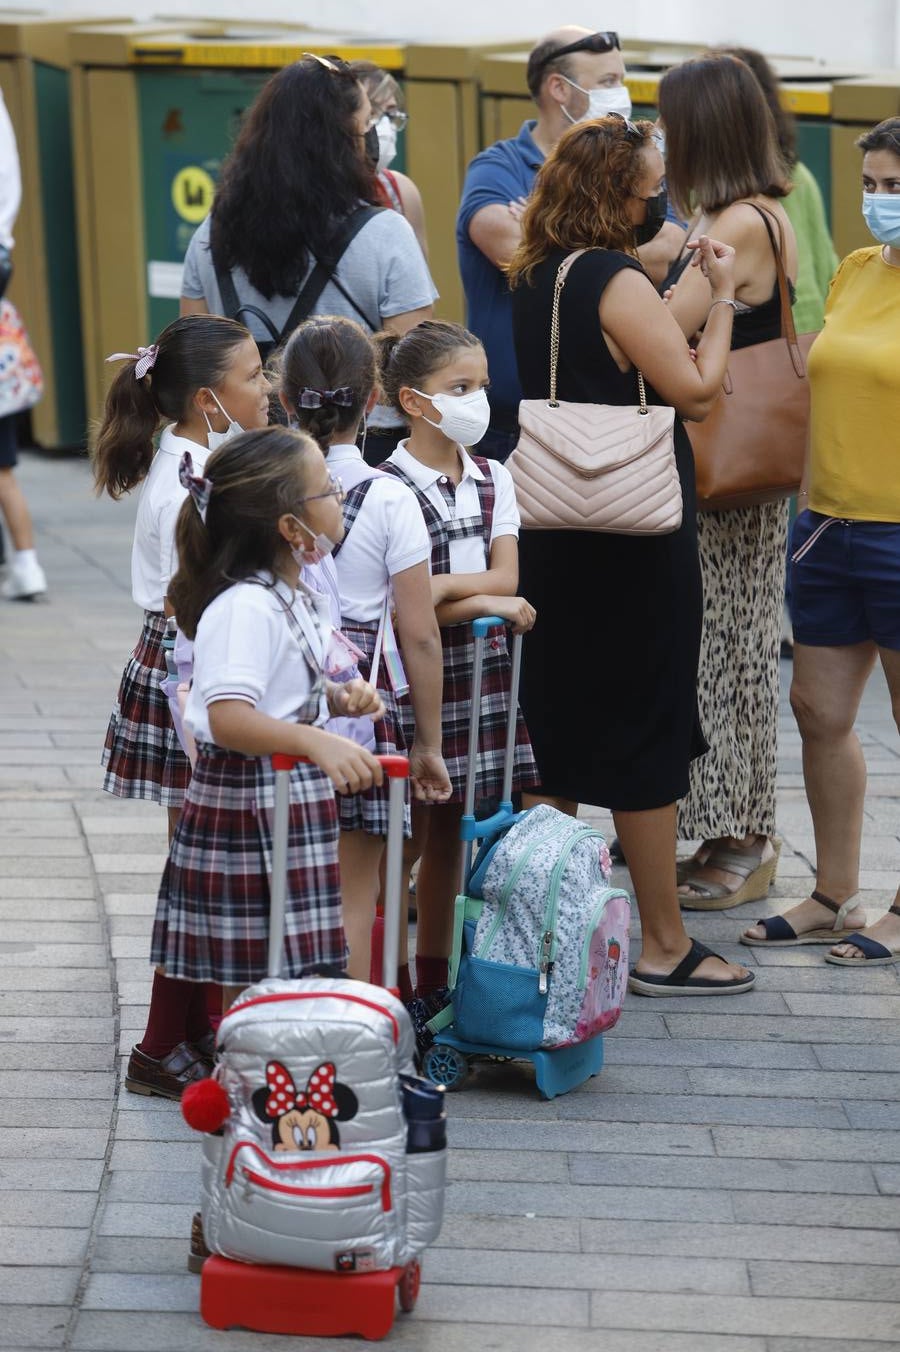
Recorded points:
(723,163)
(629,749)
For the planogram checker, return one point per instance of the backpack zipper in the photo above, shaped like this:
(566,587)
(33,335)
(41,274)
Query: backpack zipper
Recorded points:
(317,995)
(273,1185)
(299,1166)
(514,877)
(547,950)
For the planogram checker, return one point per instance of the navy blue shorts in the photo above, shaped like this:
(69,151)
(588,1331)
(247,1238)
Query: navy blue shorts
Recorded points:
(845,581)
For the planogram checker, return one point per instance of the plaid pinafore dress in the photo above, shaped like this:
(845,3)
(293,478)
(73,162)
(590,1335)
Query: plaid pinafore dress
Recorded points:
(458,658)
(141,754)
(212,915)
(368,811)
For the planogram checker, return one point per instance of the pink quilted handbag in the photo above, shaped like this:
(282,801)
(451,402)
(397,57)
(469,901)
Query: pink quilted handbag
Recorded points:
(602,467)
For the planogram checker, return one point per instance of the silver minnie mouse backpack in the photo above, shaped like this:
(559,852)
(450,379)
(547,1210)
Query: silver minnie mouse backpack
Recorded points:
(323,1152)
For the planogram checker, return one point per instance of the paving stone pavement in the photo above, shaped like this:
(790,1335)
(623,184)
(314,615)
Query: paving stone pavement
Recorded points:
(728,1183)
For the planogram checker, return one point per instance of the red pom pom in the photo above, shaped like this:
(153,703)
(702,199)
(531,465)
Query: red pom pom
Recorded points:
(204,1105)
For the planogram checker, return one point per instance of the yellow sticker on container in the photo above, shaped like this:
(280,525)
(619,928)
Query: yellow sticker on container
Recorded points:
(192,193)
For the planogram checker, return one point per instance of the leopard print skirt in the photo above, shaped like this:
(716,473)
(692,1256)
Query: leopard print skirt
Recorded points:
(732,788)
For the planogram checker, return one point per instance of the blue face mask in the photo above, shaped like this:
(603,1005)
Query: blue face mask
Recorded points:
(881,211)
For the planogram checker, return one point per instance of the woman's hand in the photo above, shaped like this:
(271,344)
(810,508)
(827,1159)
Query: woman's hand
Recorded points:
(353,699)
(520,613)
(716,261)
(350,768)
(428,775)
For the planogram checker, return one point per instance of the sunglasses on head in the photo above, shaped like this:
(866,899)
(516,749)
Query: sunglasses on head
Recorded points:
(594,42)
(335,64)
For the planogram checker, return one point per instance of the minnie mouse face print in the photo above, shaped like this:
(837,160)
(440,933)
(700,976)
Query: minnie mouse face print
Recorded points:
(306,1119)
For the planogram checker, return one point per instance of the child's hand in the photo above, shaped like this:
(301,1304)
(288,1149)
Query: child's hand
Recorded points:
(520,613)
(355,698)
(350,768)
(428,776)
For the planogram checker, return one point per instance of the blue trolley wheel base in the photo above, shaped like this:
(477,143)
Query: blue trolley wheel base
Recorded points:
(557,1070)
(298,1301)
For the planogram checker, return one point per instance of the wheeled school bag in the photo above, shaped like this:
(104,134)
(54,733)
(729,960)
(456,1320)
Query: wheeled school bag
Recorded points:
(327,1175)
(539,965)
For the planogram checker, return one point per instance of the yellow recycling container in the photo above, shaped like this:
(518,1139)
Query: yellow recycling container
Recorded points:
(34,76)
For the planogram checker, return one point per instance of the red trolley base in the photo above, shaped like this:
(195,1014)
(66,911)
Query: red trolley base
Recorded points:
(269,1299)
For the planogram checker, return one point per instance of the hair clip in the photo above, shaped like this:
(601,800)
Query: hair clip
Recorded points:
(198,487)
(144,359)
(342,397)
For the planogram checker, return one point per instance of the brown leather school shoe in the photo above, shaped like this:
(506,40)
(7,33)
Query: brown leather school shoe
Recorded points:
(170,1075)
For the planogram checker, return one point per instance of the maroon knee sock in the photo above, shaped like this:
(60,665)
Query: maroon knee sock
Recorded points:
(167,1018)
(213,1003)
(404,983)
(198,1024)
(431,974)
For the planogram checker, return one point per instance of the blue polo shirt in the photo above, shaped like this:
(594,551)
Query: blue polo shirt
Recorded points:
(498,175)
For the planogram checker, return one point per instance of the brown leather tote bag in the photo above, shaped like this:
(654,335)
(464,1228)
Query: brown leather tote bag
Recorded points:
(750,448)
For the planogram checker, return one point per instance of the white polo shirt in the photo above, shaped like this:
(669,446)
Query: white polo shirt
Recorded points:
(388,536)
(467,555)
(244,649)
(153,556)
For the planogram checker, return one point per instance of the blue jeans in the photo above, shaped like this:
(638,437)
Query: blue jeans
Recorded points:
(497,444)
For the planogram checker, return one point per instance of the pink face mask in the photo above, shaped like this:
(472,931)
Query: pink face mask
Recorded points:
(322,546)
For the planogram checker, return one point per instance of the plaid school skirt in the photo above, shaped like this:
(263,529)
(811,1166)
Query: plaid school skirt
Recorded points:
(141,754)
(459,650)
(368,811)
(212,915)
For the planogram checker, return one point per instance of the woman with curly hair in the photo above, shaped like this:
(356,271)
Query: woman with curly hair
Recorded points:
(300,188)
(602,190)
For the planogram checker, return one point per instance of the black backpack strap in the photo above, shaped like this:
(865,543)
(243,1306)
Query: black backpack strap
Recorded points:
(312,288)
(323,272)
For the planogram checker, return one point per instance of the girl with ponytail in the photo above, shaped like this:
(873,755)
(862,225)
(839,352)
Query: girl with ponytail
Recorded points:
(200,382)
(327,385)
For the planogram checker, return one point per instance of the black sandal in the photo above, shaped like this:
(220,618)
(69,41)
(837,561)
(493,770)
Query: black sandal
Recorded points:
(680,981)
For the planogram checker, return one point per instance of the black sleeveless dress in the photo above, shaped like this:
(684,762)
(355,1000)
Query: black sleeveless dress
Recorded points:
(610,669)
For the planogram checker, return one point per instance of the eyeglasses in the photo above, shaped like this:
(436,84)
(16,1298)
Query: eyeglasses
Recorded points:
(335,491)
(594,42)
(396,116)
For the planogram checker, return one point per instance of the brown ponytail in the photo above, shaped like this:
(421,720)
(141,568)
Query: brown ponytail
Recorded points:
(324,354)
(193,352)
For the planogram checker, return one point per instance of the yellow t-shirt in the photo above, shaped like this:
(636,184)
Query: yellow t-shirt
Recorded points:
(854,376)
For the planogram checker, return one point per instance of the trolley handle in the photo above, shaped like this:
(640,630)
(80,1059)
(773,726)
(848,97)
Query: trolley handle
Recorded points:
(395,767)
(397,770)
(484,623)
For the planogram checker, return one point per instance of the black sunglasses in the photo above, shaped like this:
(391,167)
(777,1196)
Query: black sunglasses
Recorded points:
(632,131)
(594,42)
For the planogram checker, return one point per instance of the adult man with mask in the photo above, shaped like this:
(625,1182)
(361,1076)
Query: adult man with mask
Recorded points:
(573,74)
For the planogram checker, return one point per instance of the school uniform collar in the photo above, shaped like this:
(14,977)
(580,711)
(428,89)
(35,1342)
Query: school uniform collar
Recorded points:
(344,454)
(169,444)
(423,476)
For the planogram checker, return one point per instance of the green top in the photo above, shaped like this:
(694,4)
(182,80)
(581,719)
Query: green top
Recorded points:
(817,259)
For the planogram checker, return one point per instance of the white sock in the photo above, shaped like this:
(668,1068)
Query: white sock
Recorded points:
(25,556)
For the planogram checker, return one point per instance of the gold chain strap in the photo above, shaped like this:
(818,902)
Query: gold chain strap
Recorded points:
(561,275)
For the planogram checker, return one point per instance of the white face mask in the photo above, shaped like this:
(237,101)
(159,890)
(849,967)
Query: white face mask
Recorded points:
(215,439)
(463,417)
(321,547)
(387,142)
(602,102)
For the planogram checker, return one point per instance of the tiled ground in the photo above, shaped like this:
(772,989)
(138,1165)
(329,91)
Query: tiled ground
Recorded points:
(729,1183)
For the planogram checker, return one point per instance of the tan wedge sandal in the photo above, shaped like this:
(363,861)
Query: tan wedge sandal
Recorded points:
(758,875)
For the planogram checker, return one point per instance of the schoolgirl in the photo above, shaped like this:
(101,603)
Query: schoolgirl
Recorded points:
(436,375)
(260,645)
(327,384)
(203,380)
